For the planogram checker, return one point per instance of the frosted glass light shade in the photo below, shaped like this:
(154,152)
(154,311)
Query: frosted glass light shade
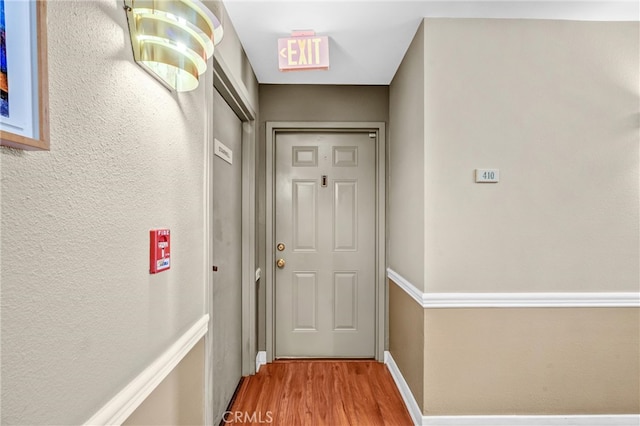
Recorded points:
(173,39)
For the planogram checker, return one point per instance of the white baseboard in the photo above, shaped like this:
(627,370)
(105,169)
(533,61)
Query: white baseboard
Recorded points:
(261,359)
(517,300)
(121,406)
(515,420)
(586,420)
(403,387)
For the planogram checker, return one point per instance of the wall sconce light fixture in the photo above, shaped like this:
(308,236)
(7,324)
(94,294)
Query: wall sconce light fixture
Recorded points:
(173,39)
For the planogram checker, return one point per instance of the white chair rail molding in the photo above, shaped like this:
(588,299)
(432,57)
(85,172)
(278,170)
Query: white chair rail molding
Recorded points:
(517,300)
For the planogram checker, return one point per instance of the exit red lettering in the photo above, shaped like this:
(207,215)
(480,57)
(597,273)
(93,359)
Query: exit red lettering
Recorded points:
(303,53)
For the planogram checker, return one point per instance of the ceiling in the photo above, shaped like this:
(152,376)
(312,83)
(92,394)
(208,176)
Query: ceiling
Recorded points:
(368,39)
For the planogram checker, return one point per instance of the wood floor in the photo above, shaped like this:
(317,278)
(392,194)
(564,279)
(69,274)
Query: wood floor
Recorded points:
(319,392)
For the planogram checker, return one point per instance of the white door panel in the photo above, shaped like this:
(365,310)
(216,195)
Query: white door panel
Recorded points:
(226,290)
(325,217)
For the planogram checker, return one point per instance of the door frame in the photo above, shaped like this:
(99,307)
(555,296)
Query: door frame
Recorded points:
(272,128)
(234,93)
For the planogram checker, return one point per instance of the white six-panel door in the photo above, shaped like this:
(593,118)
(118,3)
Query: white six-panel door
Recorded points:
(325,218)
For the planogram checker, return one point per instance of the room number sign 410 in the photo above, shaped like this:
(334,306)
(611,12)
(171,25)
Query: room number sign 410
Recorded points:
(487,175)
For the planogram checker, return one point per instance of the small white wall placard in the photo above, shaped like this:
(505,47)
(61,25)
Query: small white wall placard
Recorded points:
(487,175)
(223,151)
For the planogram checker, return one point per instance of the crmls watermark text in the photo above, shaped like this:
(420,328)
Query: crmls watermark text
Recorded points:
(245,417)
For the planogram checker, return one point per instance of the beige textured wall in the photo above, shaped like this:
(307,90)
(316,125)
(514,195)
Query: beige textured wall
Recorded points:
(554,106)
(179,399)
(81,315)
(406,170)
(407,339)
(323,103)
(308,103)
(532,361)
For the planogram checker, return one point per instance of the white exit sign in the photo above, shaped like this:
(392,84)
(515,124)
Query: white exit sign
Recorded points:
(303,51)
(487,175)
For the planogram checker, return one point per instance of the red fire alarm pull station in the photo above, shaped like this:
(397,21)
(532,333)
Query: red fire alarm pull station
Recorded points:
(160,250)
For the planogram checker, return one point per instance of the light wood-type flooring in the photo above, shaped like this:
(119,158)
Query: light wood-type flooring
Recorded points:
(319,392)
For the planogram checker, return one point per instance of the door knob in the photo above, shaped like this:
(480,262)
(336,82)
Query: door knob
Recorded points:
(280,263)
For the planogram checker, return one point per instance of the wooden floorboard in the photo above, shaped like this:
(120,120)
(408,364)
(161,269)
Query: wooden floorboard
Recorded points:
(319,392)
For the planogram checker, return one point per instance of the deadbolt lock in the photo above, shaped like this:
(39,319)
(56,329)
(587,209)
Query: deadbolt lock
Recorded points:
(280,263)
(280,247)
